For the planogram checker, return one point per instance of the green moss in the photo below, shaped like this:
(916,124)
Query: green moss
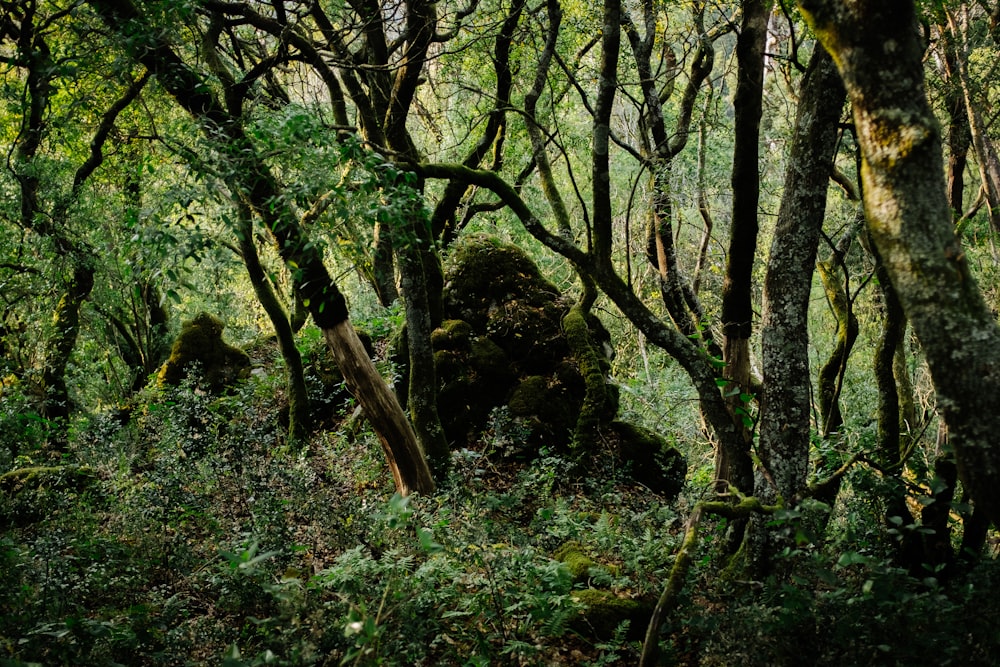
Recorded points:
(200,341)
(603,612)
(450,364)
(484,272)
(576,560)
(75,478)
(451,335)
(529,395)
(592,411)
(488,360)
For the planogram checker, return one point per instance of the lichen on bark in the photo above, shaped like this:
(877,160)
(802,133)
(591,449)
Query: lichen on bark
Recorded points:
(879,56)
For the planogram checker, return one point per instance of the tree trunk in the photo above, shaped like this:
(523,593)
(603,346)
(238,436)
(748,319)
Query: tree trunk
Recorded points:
(422,390)
(986,154)
(420,273)
(737,301)
(831,375)
(888,445)
(406,461)
(959,138)
(383,267)
(877,52)
(298,397)
(59,347)
(786,400)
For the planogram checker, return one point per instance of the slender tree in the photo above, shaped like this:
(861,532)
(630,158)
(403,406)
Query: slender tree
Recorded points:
(735,467)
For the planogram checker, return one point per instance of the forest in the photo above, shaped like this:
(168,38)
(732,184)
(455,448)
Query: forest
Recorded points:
(499,332)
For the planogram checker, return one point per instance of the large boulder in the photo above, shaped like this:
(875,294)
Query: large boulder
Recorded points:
(503,347)
(200,344)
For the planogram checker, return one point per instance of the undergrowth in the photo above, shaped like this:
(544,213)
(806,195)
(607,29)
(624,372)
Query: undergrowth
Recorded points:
(200,538)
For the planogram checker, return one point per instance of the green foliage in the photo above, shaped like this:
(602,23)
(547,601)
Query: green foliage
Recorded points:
(852,610)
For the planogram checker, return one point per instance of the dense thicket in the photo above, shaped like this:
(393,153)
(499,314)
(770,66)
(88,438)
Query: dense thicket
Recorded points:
(758,245)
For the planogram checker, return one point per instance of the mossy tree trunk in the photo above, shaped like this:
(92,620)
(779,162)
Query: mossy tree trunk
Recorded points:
(74,257)
(298,397)
(835,277)
(421,277)
(421,399)
(831,374)
(65,331)
(594,408)
(876,48)
(253,181)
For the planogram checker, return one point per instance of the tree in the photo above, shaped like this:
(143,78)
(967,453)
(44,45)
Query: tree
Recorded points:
(878,54)
(785,403)
(735,466)
(46,206)
(251,180)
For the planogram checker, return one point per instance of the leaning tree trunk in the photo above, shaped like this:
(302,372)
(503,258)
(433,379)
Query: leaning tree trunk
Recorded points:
(258,187)
(298,396)
(876,48)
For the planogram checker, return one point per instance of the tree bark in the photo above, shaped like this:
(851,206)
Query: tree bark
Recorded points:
(660,148)
(786,397)
(65,331)
(831,375)
(422,390)
(298,397)
(959,138)
(735,467)
(986,154)
(878,54)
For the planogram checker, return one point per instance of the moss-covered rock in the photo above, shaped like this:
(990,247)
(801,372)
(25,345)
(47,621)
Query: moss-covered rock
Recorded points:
(200,342)
(654,462)
(484,273)
(547,408)
(576,560)
(451,335)
(603,611)
(506,342)
(70,477)
(489,361)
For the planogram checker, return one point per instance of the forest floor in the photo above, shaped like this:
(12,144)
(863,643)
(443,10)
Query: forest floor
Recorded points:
(187,533)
